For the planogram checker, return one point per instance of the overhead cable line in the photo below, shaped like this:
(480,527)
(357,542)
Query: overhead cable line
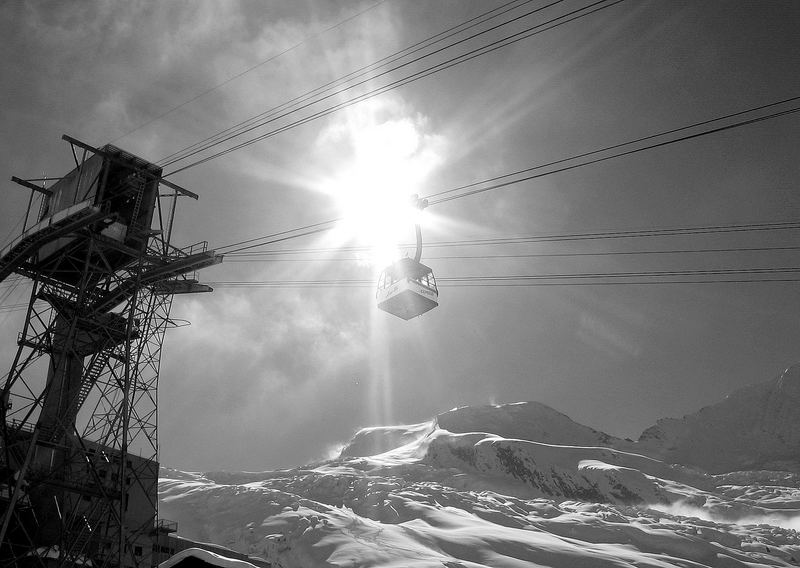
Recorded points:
(483,50)
(361,72)
(746,120)
(466,242)
(522,279)
(586,236)
(249,69)
(13,307)
(785,112)
(6,309)
(277,237)
(260,257)
(629,143)
(272,116)
(13,231)
(630,274)
(631,281)
(632,233)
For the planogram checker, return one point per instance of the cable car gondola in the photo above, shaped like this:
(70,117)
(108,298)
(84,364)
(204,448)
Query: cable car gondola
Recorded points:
(407,288)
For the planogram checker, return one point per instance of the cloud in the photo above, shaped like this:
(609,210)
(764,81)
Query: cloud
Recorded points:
(253,364)
(787,520)
(604,336)
(289,335)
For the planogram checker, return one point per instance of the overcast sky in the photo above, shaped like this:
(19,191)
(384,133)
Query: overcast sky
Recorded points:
(266,378)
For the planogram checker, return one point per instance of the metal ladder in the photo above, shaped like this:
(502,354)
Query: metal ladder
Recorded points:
(90,377)
(138,182)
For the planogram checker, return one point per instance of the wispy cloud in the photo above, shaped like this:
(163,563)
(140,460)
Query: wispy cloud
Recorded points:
(785,519)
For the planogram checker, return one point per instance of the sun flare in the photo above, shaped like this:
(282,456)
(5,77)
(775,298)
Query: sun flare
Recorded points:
(375,190)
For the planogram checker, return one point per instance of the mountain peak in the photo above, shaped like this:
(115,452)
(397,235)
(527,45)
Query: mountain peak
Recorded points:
(789,382)
(755,427)
(529,420)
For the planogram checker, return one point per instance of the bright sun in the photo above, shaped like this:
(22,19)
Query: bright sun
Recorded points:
(374,191)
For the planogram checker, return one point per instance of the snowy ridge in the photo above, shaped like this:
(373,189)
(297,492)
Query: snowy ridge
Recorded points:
(754,428)
(379,439)
(524,421)
(474,488)
(596,474)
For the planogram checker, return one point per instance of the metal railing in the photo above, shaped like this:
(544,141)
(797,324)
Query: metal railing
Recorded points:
(164,525)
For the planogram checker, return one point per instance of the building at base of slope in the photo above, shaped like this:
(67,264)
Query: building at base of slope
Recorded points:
(167,546)
(194,557)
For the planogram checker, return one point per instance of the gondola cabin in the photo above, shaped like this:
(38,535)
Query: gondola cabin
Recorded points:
(407,289)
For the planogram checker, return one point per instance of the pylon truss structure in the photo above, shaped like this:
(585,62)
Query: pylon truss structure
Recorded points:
(79,406)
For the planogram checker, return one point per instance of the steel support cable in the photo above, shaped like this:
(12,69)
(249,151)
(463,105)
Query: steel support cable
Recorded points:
(9,290)
(272,258)
(616,155)
(626,283)
(597,160)
(619,253)
(409,79)
(560,283)
(526,277)
(249,69)
(272,236)
(475,280)
(273,118)
(730,126)
(11,281)
(13,307)
(589,236)
(12,232)
(628,274)
(620,145)
(10,308)
(441,36)
(518,277)
(634,233)
(277,256)
(285,238)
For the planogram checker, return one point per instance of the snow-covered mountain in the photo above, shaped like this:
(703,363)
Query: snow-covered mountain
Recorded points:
(525,421)
(510,486)
(757,427)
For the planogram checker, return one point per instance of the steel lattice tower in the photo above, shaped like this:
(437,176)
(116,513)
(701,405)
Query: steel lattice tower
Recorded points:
(78,408)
